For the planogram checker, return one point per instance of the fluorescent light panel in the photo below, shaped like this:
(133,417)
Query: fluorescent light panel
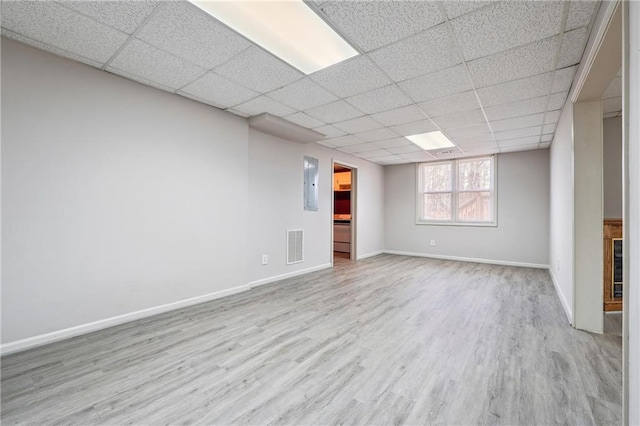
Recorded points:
(431,140)
(288,29)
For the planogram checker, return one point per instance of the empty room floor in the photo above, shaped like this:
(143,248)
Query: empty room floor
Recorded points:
(385,340)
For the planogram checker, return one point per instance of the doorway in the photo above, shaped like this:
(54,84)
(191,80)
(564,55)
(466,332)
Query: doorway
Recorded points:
(343,237)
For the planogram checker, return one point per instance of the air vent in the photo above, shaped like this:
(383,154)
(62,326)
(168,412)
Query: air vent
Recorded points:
(450,151)
(295,240)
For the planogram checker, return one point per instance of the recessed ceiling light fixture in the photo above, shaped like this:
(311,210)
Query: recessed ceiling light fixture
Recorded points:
(431,140)
(288,29)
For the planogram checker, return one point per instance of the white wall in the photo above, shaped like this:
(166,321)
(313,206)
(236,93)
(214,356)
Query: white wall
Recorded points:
(632,219)
(116,197)
(522,234)
(612,167)
(276,189)
(561,209)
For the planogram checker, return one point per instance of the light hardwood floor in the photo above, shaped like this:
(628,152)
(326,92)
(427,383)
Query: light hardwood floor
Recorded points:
(386,340)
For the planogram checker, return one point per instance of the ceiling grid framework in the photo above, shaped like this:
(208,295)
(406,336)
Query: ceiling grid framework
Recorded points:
(491,75)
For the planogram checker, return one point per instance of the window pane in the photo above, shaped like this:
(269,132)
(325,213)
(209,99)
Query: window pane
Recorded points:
(475,207)
(436,206)
(474,175)
(436,177)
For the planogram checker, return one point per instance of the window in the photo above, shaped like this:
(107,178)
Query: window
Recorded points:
(458,192)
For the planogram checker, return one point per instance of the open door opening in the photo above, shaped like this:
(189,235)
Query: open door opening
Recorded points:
(343,239)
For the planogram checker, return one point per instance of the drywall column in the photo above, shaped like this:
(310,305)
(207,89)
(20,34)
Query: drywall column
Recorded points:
(588,263)
(631,214)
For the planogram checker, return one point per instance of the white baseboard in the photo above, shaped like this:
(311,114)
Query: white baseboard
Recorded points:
(270,280)
(563,301)
(470,259)
(374,253)
(43,339)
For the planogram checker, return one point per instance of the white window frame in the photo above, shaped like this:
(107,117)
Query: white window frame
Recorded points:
(454,193)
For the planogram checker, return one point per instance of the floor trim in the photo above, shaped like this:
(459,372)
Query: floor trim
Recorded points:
(44,339)
(372,254)
(470,259)
(563,301)
(275,278)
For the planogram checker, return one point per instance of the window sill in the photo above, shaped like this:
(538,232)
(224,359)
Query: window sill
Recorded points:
(461,224)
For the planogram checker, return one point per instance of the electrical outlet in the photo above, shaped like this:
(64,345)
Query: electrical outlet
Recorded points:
(265,259)
(433,243)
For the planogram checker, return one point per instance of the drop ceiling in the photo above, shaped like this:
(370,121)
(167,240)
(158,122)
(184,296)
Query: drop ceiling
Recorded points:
(492,76)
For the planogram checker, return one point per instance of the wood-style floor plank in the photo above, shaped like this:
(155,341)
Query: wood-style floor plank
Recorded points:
(386,340)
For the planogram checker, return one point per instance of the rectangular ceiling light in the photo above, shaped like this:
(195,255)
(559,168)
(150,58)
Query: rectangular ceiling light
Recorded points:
(288,29)
(431,140)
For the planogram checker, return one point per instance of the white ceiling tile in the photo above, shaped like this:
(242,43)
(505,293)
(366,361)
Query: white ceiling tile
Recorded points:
(48,48)
(188,32)
(125,16)
(363,147)
(525,88)
(351,77)
(326,143)
(484,138)
(520,147)
(330,131)
(387,159)
(146,61)
(405,149)
(264,104)
(546,138)
(549,128)
(458,8)
(376,135)
(358,125)
(55,25)
(407,114)
(614,89)
(418,157)
(529,140)
(258,70)
(544,145)
(481,148)
(562,79)
(415,128)
(334,112)
(580,13)
(524,61)
(518,133)
(421,54)
(557,100)
(302,119)
(573,43)
(377,23)
(343,141)
(375,154)
(302,94)
(463,132)
(552,117)
(393,143)
(516,109)
(219,91)
(142,80)
(506,25)
(517,123)
(460,119)
(612,105)
(459,102)
(378,100)
(438,84)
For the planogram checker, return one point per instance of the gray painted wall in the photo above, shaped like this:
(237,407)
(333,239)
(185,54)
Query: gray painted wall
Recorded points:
(522,234)
(276,188)
(612,163)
